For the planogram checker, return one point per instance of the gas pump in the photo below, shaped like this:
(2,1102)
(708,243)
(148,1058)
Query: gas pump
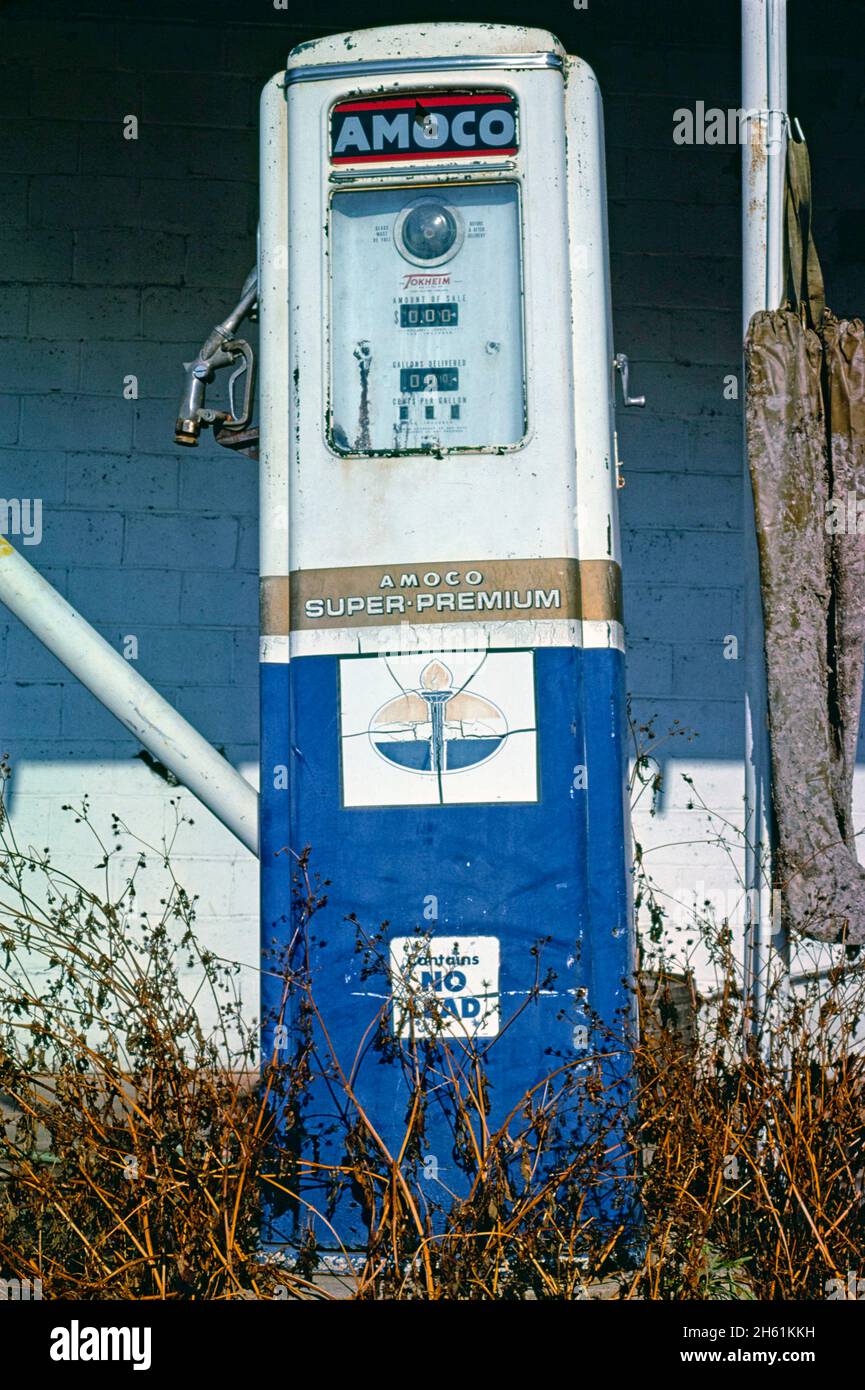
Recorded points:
(443,723)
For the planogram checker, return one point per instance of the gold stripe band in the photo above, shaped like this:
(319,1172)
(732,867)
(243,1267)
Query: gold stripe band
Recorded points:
(453,591)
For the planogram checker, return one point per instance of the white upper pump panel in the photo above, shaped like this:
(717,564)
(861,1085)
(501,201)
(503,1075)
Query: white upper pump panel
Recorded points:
(426,318)
(358,127)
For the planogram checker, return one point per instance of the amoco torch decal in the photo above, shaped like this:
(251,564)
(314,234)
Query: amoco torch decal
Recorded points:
(438,729)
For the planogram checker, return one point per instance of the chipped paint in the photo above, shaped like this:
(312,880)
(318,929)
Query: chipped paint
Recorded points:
(363,353)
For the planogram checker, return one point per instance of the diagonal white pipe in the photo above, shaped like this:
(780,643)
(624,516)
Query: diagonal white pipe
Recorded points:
(150,718)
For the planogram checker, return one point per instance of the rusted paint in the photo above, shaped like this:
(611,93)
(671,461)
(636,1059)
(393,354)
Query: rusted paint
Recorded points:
(363,353)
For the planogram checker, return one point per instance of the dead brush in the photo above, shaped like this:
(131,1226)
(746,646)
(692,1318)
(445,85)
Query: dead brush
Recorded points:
(131,1140)
(140,1149)
(751,1132)
(753,1171)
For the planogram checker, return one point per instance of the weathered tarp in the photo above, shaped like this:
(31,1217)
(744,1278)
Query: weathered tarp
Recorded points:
(844,387)
(805,420)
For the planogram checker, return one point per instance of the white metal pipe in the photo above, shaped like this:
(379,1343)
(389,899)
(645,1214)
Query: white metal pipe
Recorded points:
(776,142)
(275,384)
(764,98)
(127,695)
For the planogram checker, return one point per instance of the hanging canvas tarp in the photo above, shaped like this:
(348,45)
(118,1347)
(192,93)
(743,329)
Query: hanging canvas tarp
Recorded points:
(844,387)
(806,450)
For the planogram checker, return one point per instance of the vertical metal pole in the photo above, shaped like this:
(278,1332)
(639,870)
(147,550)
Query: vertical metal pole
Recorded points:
(274,379)
(764,98)
(276,398)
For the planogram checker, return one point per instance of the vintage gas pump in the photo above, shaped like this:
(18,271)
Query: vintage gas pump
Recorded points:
(442,706)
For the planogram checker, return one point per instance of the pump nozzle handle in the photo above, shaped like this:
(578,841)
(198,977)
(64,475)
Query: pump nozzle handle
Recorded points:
(218,350)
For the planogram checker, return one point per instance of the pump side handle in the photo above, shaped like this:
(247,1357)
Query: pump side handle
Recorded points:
(220,349)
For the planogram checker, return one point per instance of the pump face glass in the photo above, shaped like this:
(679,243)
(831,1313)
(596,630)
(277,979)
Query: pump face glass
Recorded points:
(426,319)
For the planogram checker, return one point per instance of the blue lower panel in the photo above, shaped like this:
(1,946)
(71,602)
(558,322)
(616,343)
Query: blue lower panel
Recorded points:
(542,880)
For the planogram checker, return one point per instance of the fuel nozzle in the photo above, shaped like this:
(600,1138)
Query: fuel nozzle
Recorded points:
(220,349)
(186,432)
(187,427)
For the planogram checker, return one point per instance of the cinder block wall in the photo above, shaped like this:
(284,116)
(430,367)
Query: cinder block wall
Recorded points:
(116,257)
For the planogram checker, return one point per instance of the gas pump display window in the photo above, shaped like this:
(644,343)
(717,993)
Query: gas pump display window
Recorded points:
(426,319)
(428,232)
